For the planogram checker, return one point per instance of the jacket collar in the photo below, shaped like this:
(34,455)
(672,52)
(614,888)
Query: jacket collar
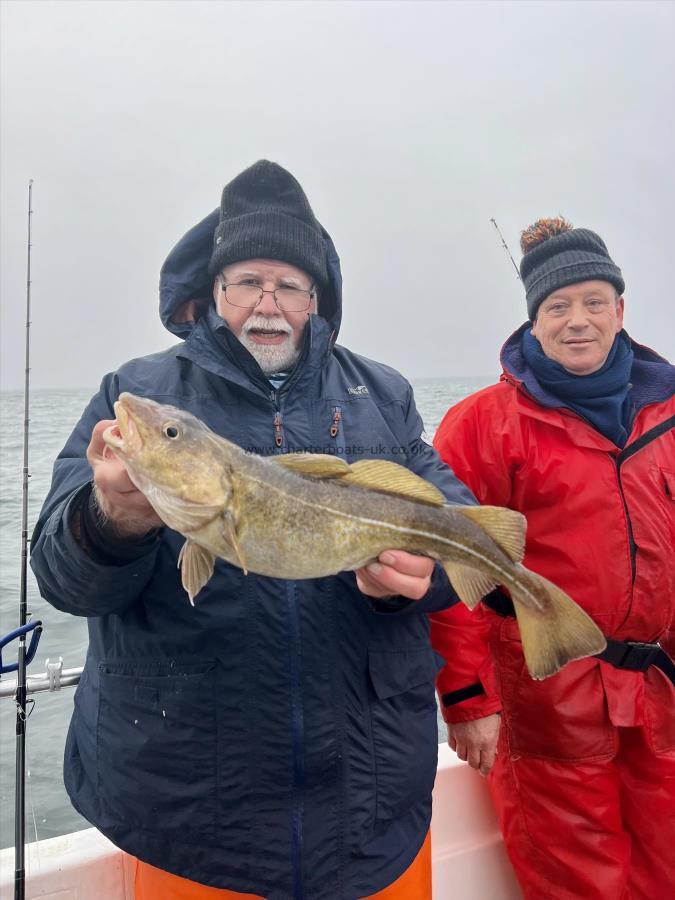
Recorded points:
(212,346)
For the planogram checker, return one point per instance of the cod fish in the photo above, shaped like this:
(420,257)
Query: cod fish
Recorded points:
(311,515)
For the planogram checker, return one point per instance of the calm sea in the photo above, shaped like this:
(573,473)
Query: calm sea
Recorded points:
(53,415)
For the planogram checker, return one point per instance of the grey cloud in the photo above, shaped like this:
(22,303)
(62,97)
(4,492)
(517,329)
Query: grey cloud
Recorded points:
(408,124)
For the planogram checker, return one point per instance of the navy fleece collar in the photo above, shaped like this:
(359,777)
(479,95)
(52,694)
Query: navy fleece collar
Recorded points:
(601,397)
(652,376)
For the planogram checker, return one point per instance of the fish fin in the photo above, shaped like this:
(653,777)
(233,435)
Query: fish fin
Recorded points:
(506,527)
(179,514)
(390,478)
(557,635)
(230,535)
(375,474)
(470,584)
(316,465)
(196,568)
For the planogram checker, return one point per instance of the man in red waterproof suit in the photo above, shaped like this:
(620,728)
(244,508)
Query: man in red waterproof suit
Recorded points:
(577,435)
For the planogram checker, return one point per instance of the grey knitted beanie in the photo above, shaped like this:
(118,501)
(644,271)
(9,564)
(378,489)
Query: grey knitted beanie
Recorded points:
(264,214)
(556,254)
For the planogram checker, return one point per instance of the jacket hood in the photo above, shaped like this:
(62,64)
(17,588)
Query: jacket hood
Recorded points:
(652,376)
(185,286)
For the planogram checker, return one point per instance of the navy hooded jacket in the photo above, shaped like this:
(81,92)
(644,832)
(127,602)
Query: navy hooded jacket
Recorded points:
(280,737)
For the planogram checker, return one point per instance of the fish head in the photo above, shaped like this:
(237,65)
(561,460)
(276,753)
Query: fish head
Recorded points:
(170,451)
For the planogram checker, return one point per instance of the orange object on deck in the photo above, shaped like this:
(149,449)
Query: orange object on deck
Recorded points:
(155,884)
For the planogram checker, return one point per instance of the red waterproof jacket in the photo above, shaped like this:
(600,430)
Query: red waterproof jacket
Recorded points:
(601,525)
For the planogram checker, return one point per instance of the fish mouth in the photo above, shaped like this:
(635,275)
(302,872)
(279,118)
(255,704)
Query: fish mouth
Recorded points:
(122,436)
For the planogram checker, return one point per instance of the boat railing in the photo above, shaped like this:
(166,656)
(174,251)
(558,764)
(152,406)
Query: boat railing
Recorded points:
(55,678)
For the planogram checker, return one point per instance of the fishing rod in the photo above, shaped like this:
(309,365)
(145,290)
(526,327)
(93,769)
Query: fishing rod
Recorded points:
(506,247)
(24,626)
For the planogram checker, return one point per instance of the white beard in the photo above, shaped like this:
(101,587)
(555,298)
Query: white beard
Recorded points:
(270,357)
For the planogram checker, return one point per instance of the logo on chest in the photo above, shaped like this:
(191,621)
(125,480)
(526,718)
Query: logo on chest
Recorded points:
(359,390)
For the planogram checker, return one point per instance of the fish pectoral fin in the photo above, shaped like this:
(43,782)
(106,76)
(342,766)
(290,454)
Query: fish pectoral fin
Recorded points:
(183,515)
(470,584)
(230,535)
(316,465)
(390,478)
(506,527)
(196,568)
(556,634)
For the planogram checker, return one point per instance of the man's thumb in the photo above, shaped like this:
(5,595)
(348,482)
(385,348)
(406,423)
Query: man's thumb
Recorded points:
(97,446)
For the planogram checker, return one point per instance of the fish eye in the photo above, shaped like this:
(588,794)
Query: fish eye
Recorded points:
(170,430)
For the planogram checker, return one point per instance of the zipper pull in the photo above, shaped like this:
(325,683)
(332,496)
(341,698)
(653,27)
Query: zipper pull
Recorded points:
(335,427)
(278,433)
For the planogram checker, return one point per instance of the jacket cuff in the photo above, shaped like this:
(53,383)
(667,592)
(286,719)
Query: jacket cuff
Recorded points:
(465,693)
(100,540)
(468,703)
(440,596)
(469,710)
(388,606)
(73,581)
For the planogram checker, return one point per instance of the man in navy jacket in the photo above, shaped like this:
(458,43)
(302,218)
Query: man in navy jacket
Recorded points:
(280,737)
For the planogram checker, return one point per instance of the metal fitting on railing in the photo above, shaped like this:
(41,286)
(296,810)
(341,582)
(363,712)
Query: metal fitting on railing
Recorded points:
(54,670)
(54,679)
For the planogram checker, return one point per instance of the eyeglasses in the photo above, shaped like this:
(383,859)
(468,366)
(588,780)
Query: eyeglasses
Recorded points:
(248,296)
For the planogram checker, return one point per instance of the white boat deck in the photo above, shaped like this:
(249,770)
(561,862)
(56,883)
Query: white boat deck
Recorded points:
(469,859)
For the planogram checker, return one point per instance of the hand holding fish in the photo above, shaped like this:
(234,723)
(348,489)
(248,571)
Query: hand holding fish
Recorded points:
(120,501)
(396,573)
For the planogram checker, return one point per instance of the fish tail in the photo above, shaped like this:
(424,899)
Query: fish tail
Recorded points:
(558,633)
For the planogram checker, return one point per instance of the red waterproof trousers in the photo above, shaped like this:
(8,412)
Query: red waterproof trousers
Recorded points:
(593,830)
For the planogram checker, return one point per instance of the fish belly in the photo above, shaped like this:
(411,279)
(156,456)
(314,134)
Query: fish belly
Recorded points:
(306,545)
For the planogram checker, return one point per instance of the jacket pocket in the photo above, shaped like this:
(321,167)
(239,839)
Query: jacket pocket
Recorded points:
(156,746)
(404,726)
(562,718)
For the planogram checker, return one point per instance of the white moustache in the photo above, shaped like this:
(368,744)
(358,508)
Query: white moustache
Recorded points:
(264,323)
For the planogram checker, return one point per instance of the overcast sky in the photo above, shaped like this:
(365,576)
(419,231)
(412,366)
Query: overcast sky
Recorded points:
(408,124)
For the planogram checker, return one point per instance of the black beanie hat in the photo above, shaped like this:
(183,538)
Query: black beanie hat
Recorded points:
(264,214)
(556,254)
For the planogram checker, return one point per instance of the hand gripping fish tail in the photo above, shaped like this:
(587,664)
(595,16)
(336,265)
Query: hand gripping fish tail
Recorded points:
(253,512)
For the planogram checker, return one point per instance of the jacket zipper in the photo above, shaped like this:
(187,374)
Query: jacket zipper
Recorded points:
(631,540)
(278,425)
(297,718)
(336,429)
(298,731)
